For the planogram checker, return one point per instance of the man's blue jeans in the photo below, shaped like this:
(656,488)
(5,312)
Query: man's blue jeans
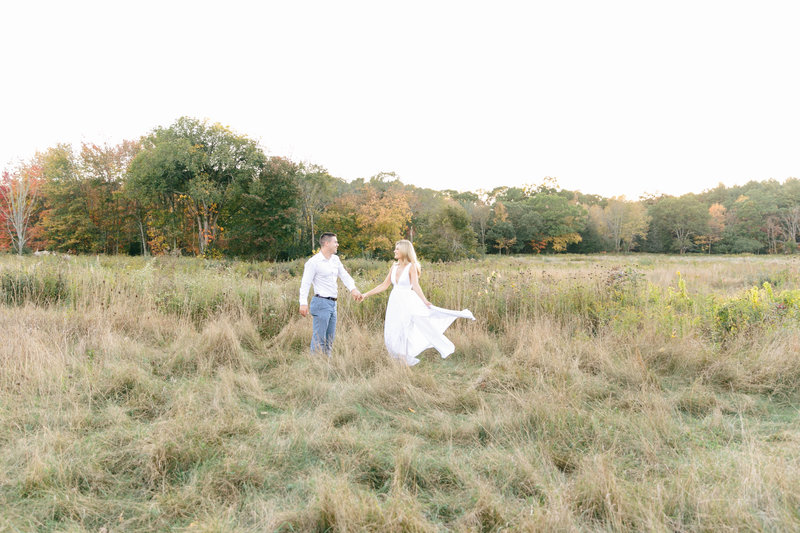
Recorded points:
(324,313)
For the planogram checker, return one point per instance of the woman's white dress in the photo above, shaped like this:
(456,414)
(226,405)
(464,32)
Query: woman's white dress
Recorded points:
(411,327)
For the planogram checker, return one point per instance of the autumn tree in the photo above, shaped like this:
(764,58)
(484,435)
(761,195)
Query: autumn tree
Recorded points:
(368,221)
(103,170)
(18,198)
(382,220)
(716,227)
(620,222)
(85,209)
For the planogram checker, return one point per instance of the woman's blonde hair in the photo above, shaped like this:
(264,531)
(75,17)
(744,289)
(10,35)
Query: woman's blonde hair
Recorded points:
(407,254)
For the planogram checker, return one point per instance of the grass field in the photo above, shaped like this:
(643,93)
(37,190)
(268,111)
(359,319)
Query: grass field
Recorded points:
(593,393)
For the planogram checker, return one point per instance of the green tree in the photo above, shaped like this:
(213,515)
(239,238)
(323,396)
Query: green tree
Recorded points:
(546,219)
(502,234)
(746,223)
(317,190)
(424,204)
(676,222)
(266,212)
(788,213)
(192,172)
(480,216)
(479,212)
(450,236)
(68,221)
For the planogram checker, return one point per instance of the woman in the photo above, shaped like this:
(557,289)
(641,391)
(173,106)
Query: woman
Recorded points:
(413,324)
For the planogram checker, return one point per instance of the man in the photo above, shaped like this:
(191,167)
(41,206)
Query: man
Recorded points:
(322,271)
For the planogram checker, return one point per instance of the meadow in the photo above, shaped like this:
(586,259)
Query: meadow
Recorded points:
(593,393)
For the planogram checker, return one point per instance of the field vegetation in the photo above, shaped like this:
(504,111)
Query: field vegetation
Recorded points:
(593,393)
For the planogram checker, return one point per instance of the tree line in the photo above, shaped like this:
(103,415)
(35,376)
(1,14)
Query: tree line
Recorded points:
(200,188)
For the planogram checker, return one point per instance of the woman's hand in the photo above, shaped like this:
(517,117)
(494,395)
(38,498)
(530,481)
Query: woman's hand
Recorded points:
(427,303)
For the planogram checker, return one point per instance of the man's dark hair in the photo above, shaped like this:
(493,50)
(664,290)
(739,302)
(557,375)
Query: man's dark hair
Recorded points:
(325,237)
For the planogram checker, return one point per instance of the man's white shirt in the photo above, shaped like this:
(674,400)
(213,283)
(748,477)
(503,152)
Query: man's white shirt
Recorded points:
(322,273)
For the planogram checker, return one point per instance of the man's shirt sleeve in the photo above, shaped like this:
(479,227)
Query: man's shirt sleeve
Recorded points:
(309,269)
(345,277)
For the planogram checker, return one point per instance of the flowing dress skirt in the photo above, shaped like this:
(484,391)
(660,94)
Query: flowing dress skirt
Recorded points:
(411,327)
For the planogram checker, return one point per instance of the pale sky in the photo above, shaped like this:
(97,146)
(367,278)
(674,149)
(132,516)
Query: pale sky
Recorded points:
(608,97)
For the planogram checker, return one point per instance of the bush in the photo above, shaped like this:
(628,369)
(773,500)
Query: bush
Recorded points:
(39,288)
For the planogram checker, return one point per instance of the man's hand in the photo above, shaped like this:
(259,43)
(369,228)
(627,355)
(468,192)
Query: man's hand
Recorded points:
(304,310)
(357,296)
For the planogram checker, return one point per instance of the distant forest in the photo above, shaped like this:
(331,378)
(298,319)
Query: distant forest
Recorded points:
(197,188)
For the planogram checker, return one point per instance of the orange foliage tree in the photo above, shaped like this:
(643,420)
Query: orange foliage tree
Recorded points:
(19,193)
(716,227)
(368,222)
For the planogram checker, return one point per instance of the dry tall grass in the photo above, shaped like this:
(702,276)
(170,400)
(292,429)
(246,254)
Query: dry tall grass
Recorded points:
(593,394)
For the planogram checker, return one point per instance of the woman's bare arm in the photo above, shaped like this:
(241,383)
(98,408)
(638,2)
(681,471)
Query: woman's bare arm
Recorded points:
(415,285)
(382,287)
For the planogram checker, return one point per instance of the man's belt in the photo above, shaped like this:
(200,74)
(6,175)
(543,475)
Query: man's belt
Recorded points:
(326,297)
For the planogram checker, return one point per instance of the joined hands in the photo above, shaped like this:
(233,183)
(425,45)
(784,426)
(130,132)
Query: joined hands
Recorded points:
(357,296)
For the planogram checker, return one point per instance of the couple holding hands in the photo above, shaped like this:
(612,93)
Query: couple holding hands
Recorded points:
(412,324)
